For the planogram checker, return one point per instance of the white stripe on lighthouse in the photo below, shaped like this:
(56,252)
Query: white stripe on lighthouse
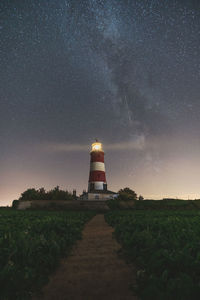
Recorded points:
(97,166)
(98,185)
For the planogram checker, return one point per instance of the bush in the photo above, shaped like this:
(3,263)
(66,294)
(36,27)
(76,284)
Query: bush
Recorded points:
(15,204)
(127,194)
(57,194)
(41,194)
(113,203)
(30,194)
(125,200)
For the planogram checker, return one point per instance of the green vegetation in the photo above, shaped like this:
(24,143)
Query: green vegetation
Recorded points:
(31,245)
(126,194)
(128,199)
(41,194)
(167,204)
(125,200)
(165,246)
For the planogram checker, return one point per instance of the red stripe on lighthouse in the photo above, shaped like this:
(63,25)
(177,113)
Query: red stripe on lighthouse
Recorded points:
(97,176)
(97,156)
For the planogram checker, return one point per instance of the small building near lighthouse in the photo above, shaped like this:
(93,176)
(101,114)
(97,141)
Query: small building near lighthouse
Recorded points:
(97,184)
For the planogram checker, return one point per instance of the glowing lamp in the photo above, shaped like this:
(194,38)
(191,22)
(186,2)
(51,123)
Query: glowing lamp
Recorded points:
(97,146)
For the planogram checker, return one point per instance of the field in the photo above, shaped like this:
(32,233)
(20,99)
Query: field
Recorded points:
(165,248)
(31,245)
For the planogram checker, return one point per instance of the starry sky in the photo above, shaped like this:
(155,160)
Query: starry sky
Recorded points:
(124,71)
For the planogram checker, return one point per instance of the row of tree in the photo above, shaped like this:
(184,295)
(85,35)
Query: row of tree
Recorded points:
(41,194)
(56,194)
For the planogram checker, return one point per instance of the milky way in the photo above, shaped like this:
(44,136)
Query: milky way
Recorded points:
(123,71)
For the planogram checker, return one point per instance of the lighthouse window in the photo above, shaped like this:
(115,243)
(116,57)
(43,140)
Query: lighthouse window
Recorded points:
(92,186)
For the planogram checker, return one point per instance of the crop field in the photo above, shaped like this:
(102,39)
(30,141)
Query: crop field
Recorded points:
(165,248)
(31,245)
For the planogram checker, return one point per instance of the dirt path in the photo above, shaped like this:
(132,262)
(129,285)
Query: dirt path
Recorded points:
(93,271)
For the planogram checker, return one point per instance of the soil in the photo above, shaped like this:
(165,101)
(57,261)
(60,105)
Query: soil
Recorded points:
(94,270)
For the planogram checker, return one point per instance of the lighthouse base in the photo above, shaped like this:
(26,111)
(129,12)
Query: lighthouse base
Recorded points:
(98,195)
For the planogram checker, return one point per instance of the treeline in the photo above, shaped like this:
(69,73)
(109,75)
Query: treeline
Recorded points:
(154,204)
(41,194)
(168,204)
(128,199)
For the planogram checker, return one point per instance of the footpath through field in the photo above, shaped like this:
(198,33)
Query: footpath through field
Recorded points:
(94,271)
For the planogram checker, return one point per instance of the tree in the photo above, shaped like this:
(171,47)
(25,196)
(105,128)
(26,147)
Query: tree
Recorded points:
(127,194)
(41,194)
(15,204)
(57,194)
(29,194)
(141,198)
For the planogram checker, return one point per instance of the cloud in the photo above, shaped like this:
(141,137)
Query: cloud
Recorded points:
(136,143)
(63,147)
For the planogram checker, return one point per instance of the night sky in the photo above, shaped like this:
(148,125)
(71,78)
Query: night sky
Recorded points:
(125,72)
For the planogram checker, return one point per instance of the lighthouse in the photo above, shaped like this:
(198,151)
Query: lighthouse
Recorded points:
(97,176)
(97,184)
